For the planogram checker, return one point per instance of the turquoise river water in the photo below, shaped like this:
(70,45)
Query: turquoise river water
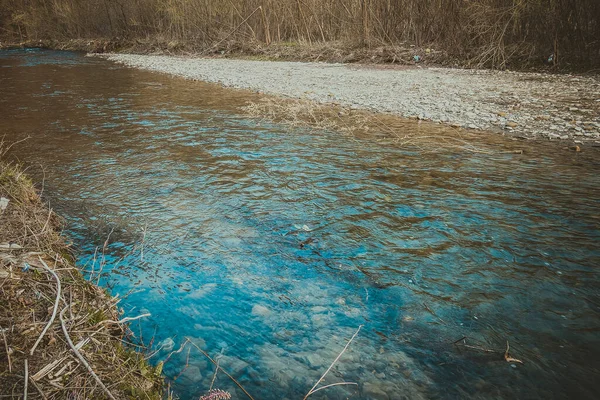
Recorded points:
(268,246)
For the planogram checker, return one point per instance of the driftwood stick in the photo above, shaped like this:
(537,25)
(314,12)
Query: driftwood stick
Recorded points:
(81,358)
(58,290)
(312,390)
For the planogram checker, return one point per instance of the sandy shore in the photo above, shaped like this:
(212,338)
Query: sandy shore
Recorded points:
(527,105)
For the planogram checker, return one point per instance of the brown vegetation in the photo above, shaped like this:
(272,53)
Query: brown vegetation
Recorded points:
(354,123)
(60,335)
(499,33)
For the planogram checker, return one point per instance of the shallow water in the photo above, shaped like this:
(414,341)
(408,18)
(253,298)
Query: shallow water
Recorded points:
(269,246)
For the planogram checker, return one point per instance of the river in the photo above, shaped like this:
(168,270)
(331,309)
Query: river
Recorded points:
(269,246)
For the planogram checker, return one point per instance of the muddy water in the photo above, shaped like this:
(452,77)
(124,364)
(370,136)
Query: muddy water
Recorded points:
(268,246)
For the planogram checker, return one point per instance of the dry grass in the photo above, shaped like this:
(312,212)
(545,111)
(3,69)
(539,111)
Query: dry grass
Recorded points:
(352,123)
(33,260)
(493,33)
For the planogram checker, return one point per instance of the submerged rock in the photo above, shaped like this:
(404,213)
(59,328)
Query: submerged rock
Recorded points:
(190,375)
(373,391)
(261,311)
(203,291)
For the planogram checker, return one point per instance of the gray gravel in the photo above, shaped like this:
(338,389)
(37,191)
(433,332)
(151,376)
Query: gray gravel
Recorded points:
(529,105)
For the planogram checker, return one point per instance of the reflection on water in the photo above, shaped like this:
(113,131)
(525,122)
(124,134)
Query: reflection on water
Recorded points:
(269,246)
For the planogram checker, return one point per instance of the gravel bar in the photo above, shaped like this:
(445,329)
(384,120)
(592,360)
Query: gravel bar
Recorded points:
(527,105)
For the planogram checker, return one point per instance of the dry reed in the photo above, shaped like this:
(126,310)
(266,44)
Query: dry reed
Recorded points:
(498,33)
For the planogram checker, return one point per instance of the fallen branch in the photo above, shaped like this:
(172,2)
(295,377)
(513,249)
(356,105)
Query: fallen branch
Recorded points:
(433,313)
(313,389)
(58,290)
(81,358)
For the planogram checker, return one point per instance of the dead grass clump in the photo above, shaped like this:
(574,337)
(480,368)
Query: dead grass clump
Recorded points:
(60,335)
(354,123)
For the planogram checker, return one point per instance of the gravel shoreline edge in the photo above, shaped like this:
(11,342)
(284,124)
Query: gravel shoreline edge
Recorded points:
(522,104)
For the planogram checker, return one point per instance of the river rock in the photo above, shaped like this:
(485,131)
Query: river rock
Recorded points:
(203,291)
(261,311)
(315,360)
(191,375)
(232,364)
(373,391)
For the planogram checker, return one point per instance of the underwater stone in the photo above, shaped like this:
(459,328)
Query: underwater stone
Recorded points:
(260,311)
(372,391)
(191,375)
(315,360)
(203,291)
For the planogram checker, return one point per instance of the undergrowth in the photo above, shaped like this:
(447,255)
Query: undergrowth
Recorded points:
(49,313)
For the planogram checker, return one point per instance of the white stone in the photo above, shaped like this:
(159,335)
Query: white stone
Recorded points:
(261,311)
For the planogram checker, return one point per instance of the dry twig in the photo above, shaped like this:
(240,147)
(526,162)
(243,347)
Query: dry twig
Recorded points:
(313,389)
(56,301)
(26,379)
(81,358)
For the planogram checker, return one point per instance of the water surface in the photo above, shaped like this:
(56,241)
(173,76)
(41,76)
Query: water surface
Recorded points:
(269,246)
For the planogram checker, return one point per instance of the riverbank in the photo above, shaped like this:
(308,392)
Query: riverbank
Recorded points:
(524,105)
(61,336)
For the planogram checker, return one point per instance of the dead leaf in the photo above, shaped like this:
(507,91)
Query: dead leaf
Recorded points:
(3,203)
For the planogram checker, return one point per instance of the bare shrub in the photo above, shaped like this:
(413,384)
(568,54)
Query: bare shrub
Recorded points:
(490,33)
